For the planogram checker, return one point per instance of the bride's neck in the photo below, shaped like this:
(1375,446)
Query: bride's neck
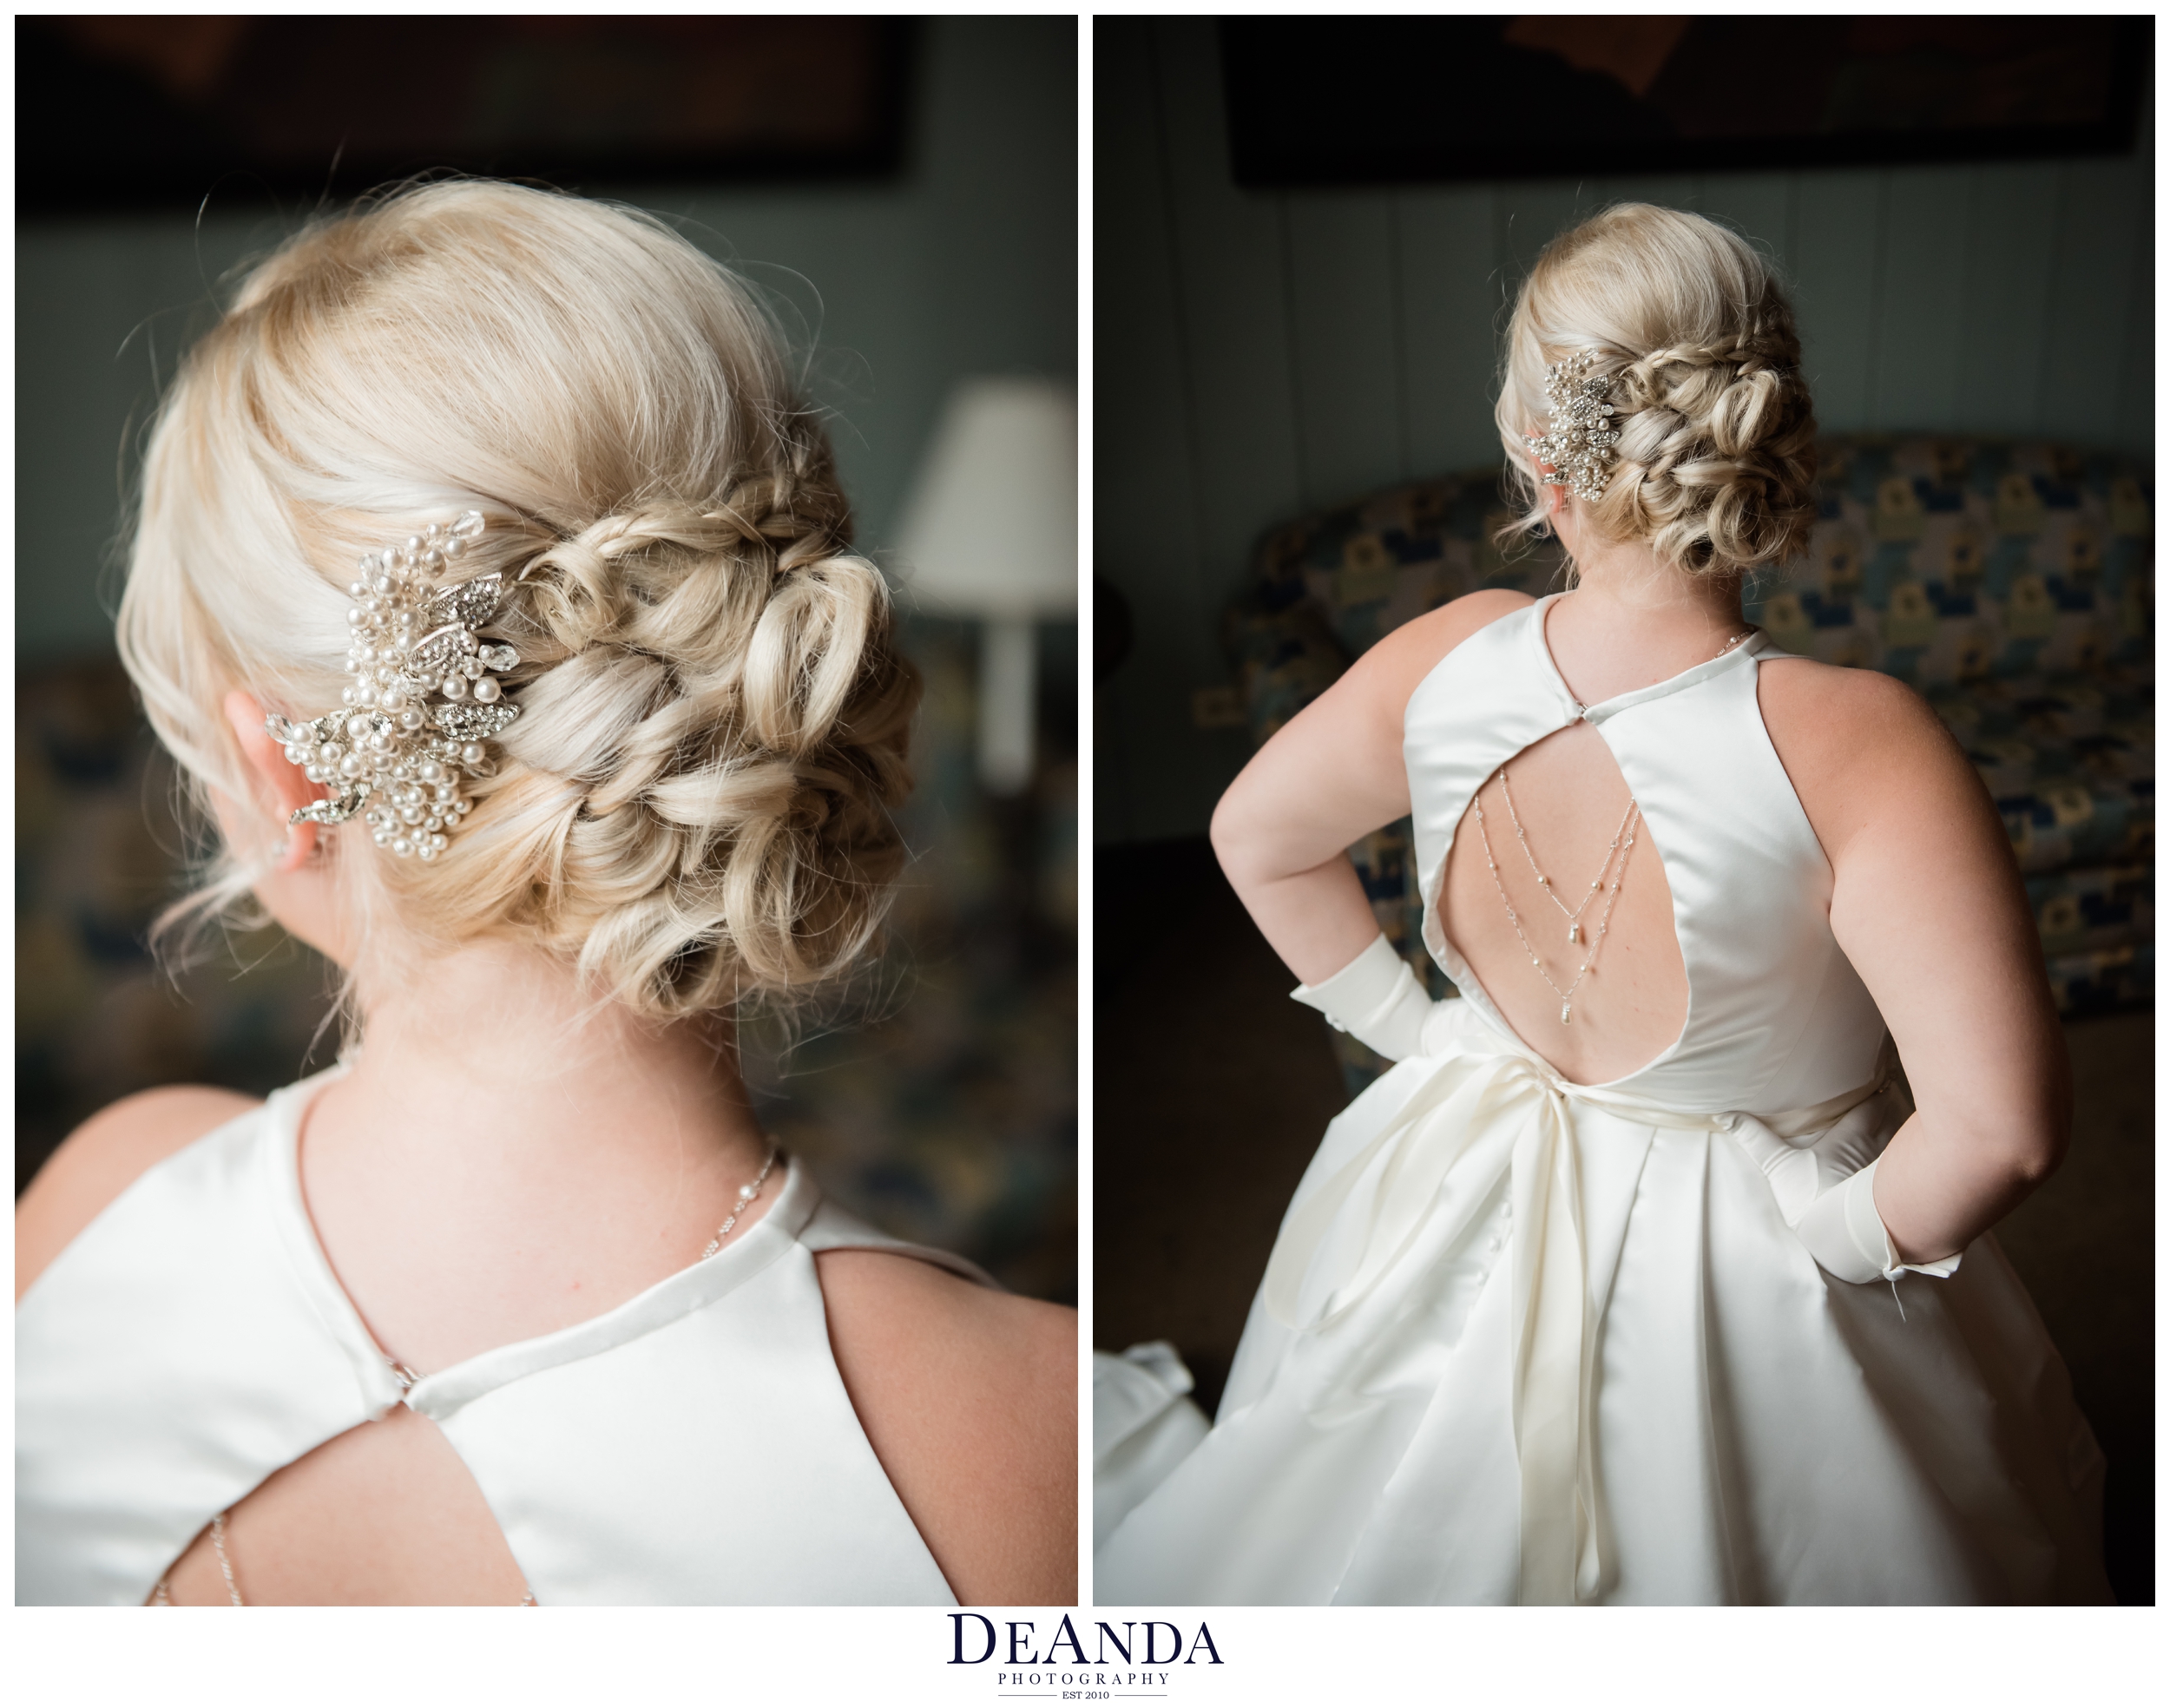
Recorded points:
(495,1049)
(1631,621)
(1627,590)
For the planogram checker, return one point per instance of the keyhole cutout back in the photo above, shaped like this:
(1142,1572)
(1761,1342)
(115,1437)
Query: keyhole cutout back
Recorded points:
(1570,797)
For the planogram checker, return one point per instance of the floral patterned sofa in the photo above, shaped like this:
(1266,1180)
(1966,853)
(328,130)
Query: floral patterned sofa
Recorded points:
(2010,582)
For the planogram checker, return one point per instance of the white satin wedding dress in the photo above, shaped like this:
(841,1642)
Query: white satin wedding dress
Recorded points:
(1527,1341)
(693,1445)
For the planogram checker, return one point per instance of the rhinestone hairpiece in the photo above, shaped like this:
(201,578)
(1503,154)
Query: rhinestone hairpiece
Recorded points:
(423,701)
(1579,445)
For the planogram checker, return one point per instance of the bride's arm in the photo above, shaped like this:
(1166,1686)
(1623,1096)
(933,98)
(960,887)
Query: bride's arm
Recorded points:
(1331,774)
(1927,904)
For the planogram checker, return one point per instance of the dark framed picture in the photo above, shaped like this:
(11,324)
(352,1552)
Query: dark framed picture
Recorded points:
(183,100)
(1405,100)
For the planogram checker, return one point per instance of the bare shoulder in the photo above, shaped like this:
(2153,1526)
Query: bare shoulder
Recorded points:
(969,1398)
(928,1311)
(102,1158)
(1403,659)
(1859,744)
(1801,690)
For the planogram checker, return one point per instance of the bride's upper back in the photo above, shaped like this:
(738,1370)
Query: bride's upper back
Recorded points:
(1613,858)
(1632,885)
(654,787)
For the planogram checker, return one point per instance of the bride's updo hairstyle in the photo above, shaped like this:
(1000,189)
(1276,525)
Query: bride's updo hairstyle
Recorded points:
(694,804)
(1716,459)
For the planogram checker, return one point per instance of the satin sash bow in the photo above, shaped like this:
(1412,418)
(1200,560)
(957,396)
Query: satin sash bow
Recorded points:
(1475,1090)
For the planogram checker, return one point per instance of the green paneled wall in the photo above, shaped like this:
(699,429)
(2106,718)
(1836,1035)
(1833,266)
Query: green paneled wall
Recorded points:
(1257,354)
(967,264)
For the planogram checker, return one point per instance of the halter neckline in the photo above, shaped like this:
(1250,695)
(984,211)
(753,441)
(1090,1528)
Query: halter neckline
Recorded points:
(1757,643)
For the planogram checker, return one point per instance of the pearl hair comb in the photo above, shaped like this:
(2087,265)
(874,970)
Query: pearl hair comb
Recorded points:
(1579,445)
(392,755)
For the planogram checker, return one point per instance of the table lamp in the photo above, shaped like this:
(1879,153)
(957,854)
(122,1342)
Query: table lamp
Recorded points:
(989,533)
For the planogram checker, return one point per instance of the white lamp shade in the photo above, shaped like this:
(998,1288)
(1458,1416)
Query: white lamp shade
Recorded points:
(991,528)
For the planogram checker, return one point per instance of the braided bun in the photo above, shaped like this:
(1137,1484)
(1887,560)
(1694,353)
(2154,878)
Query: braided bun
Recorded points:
(695,804)
(1715,465)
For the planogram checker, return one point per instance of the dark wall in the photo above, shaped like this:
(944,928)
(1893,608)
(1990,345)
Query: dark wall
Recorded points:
(964,262)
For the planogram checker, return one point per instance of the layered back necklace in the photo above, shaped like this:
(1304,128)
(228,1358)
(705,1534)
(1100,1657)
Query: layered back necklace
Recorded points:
(1608,880)
(1615,863)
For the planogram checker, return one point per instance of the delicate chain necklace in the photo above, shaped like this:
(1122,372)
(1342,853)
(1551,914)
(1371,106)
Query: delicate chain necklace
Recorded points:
(1621,844)
(1574,918)
(162,1596)
(226,1566)
(1580,708)
(747,1193)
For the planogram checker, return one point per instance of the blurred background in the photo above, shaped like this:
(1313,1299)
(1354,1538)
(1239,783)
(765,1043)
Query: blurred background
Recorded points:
(904,191)
(1308,235)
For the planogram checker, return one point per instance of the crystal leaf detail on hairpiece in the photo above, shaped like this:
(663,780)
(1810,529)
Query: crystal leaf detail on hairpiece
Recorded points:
(337,810)
(436,653)
(1580,445)
(423,702)
(471,603)
(475,723)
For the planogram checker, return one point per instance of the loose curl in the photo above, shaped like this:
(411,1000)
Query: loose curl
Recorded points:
(1716,463)
(694,806)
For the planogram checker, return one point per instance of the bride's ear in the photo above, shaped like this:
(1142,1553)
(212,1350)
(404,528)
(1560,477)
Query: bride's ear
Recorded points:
(1555,497)
(280,788)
